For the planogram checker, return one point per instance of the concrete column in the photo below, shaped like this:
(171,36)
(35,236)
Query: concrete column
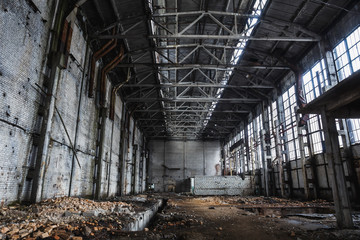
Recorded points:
(246,143)
(302,156)
(264,160)
(336,172)
(84,74)
(99,161)
(264,147)
(326,54)
(279,158)
(204,159)
(41,162)
(121,150)
(237,167)
(284,151)
(49,109)
(164,171)
(349,157)
(108,169)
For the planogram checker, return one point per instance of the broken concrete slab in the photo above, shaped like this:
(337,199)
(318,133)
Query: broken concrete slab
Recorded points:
(91,213)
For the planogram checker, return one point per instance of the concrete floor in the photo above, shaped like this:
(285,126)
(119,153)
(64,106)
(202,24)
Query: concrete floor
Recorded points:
(225,218)
(182,217)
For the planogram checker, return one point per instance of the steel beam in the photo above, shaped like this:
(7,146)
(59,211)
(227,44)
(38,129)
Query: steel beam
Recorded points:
(188,111)
(174,46)
(224,37)
(221,67)
(204,37)
(188,120)
(194,99)
(172,14)
(204,85)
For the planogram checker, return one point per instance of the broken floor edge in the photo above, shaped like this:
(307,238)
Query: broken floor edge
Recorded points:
(142,219)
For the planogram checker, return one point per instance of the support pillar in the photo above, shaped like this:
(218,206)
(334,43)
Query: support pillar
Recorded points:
(302,156)
(349,157)
(265,161)
(336,172)
(265,146)
(279,158)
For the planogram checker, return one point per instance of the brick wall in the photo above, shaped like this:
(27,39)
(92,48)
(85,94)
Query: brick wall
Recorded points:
(23,34)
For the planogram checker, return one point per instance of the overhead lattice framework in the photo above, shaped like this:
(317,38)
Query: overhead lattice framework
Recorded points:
(197,51)
(199,67)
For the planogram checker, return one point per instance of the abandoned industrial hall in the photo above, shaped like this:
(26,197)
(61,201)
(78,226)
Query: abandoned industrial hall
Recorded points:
(180,119)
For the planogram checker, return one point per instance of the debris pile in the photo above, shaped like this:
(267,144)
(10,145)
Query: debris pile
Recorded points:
(174,220)
(266,201)
(64,218)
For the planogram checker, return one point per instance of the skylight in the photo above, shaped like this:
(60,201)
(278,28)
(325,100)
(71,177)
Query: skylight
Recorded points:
(250,25)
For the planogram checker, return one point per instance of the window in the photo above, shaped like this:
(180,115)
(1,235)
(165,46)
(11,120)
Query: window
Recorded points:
(314,81)
(316,133)
(258,7)
(259,127)
(347,55)
(251,145)
(347,61)
(354,130)
(273,118)
(290,126)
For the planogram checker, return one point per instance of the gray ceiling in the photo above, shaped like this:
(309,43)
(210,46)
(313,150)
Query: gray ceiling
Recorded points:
(184,81)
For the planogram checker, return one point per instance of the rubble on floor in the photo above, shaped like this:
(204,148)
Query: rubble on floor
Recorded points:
(265,201)
(183,217)
(219,217)
(68,218)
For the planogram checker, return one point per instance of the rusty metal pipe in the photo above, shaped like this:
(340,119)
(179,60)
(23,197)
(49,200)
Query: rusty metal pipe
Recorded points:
(113,95)
(96,56)
(105,71)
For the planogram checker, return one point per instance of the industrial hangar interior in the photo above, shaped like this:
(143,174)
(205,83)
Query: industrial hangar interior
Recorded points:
(179,119)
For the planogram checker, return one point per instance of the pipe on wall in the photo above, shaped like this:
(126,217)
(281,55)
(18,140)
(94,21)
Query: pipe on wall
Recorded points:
(111,65)
(113,95)
(110,45)
(102,120)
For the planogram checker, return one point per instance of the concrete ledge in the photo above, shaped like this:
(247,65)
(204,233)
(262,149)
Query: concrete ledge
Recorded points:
(142,219)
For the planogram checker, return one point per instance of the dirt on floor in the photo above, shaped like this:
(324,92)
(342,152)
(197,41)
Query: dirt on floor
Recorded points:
(183,217)
(225,218)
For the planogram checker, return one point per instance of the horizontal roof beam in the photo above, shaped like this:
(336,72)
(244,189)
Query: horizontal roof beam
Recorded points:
(167,85)
(204,99)
(221,67)
(197,126)
(205,12)
(234,37)
(188,120)
(192,45)
(189,111)
(205,37)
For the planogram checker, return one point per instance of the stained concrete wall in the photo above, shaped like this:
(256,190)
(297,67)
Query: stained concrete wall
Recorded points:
(173,162)
(134,146)
(25,35)
(223,185)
